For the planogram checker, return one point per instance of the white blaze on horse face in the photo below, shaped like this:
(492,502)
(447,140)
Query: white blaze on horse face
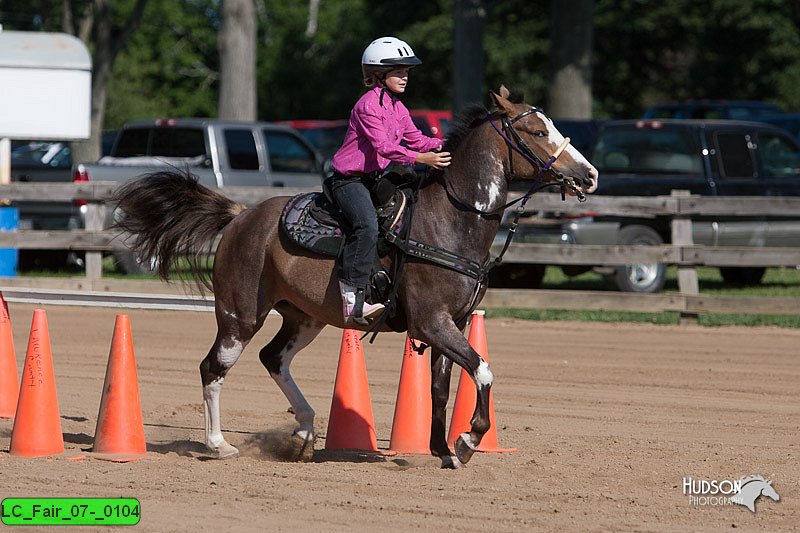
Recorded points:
(483,376)
(491,190)
(554,140)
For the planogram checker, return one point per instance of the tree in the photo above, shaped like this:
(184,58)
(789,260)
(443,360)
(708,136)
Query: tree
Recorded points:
(170,67)
(648,51)
(237,51)
(96,27)
(569,93)
(468,55)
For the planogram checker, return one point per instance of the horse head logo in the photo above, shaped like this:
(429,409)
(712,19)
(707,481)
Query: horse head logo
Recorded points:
(752,488)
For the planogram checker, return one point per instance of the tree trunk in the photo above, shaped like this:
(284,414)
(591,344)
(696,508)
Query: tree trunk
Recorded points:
(97,22)
(570,88)
(469,57)
(237,54)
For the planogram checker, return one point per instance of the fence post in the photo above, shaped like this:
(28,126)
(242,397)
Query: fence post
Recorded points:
(95,221)
(681,227)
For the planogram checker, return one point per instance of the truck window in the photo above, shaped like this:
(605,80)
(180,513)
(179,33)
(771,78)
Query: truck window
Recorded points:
(288,154)
(735,156)
(779,156)
(177,142)
(241,148)
(647,150)
(132,142)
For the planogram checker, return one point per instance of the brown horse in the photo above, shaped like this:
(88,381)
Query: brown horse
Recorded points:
(256,267)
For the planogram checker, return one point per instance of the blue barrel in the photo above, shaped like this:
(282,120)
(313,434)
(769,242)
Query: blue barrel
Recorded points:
(9,221)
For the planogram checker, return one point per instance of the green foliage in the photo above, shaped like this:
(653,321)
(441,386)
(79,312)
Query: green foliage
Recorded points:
(648,51)
(517,47)
(645,51)
(169,69)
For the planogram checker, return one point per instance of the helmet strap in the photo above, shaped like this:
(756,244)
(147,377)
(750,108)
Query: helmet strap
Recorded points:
(384,89)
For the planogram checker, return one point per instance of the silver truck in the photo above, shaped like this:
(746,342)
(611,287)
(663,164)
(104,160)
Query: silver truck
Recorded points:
(219,152)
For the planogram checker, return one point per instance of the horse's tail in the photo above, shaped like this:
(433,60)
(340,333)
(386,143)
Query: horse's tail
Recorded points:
(171,216)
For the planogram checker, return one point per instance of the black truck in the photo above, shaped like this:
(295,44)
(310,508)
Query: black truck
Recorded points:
(652,158)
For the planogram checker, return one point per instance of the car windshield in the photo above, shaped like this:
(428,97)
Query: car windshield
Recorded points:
(647,150)
(52,154)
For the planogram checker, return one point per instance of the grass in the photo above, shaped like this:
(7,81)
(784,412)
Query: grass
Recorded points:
(784,282)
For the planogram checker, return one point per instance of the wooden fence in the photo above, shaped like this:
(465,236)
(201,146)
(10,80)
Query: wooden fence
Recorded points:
(95,240)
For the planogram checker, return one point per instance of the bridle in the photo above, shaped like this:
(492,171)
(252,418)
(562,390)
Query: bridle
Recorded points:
(516,143)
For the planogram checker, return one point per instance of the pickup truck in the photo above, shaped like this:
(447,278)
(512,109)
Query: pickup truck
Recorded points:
(221,153)
(654,157)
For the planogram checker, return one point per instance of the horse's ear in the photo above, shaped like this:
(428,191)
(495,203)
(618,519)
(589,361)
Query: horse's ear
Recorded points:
(501,102)
(504,92)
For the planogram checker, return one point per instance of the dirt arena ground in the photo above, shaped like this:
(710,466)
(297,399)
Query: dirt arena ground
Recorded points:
(607,419)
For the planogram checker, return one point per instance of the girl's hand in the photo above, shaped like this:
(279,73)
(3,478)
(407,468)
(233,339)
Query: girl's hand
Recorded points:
(437,160)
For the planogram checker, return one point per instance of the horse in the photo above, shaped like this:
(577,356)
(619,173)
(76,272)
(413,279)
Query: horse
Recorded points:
(256,267)
(752,488)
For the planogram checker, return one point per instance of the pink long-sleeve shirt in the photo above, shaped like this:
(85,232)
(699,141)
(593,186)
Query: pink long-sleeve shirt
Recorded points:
(374,134)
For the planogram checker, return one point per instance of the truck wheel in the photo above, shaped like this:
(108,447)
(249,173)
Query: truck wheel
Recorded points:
(517,276)
(742,275)
(644,277)
(126,262)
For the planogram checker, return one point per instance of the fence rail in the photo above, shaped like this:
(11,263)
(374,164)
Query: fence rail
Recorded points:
(96,239)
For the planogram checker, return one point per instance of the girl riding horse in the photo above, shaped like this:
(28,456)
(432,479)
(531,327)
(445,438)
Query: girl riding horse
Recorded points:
(378,124)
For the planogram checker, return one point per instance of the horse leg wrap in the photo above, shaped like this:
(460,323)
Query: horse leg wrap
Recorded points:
(464,448)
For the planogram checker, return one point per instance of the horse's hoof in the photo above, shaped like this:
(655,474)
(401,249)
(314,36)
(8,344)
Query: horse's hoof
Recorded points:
(464,448)
(224,451)
(303,446)
(451,463)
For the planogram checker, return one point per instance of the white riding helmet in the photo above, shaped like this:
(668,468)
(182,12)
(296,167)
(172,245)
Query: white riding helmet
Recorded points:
(386,53)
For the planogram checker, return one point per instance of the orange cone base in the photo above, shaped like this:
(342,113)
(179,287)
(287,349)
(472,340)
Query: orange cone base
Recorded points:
(118,457)
(496,450)
(7,411)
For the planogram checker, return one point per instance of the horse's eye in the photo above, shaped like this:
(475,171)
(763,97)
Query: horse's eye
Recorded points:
(539,133)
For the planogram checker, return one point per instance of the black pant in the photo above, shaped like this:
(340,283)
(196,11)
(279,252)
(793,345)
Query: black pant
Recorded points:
(359,254)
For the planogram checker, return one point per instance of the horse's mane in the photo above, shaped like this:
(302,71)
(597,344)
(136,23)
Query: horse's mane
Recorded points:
(469,117)
(462,124)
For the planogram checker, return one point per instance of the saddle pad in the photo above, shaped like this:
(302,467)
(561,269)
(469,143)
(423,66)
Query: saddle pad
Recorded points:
(311,221)
(300,224)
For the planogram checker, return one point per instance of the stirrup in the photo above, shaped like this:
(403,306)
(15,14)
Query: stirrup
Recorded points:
(354,309)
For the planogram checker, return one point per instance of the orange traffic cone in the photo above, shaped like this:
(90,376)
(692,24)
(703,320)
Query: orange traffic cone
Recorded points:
(37,424)
(411,428)
(467,394)
(9,384)
(119,435)
(351,425)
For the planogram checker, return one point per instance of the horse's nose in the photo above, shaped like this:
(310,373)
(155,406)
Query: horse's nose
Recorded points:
(590,181)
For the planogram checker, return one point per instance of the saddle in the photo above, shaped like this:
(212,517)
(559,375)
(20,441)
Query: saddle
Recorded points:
(314,222)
